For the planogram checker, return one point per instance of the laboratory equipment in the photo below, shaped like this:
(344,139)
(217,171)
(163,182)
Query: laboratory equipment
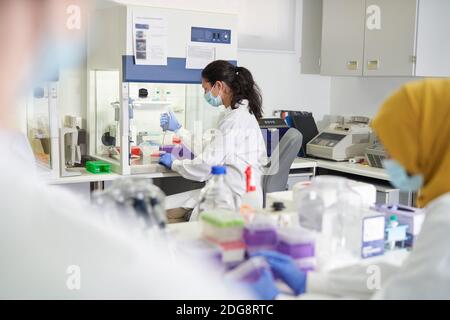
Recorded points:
(375,155)
(273,130)
(133,201)
(373,235)
(70,146)
(221,226)
(124,70)
(250,200)
(396,234)
(305,123)
(178,149)
(233,253)
(283,216)
(299,244)
(285,197)
(409,216)
(225,229)
(98,167)
(260,234)
(332,208)
(341,141)
(217,194)
(43,126)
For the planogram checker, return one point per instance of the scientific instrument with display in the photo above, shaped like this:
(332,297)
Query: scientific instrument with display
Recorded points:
(341,141)
(143,62)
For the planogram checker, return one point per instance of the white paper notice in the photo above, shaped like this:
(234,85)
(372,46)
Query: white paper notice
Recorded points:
(198,57)
(150,40)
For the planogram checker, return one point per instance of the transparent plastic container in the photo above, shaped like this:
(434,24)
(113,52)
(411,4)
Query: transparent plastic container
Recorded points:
(222,226)
(216,195)
(297,243)
(330,207)
(260,234)
(134,203)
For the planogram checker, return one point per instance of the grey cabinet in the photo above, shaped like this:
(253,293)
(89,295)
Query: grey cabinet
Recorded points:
(342,37)
(386,38)
(390,41)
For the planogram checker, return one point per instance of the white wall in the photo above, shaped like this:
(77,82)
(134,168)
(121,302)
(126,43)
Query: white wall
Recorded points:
(362,96)
(283,87)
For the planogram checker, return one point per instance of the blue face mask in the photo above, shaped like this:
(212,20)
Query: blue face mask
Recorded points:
(400,178)
(214,101)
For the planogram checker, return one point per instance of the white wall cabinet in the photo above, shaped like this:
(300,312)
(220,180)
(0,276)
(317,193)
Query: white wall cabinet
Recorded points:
(390,50)
(385,38)
(342,37)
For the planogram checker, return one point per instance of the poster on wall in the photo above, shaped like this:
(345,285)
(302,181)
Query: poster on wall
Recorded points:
(150,40)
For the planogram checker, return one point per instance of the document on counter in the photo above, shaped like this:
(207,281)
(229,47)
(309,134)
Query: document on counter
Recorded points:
(150,40)
(198,56)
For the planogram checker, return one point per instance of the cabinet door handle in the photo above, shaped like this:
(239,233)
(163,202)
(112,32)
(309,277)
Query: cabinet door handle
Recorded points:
(373,64)
(352,65)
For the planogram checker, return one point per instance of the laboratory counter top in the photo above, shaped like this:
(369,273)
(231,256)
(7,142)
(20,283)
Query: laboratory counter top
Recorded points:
(158,171)
(350,168)
(87,177)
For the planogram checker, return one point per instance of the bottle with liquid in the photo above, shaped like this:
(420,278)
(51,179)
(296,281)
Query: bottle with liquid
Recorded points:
(217,194)
(250,200)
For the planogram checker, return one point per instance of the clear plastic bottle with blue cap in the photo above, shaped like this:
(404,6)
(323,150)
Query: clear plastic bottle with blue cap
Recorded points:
(217,194)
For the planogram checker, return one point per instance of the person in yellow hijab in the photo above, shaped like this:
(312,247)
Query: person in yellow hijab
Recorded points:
(414,127)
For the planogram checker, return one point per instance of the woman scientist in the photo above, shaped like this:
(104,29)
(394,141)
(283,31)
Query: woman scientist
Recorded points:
(414,126)
(236,143)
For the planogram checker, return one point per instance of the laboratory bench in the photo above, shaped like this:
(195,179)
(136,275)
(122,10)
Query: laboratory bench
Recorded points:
(308,165)
(184,232)
(302,169)
(157,172)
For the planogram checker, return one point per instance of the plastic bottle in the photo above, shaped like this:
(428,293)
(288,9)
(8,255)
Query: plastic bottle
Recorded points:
(250,201)
(217,194)
(329,206)
(393,223)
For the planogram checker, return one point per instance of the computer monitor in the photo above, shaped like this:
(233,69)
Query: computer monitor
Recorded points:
(273,130)
(305,123)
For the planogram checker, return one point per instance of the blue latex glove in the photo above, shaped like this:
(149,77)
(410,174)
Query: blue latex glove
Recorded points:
(169,122)
(285,268)
(167,160)
(265,288)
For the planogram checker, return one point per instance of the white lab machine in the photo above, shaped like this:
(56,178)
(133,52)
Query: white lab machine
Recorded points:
(375,155)
(69,146)
(147,61)
(341,141)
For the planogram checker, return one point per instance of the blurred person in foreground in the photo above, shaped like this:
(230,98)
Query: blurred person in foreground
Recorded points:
(48,236)
(414,127)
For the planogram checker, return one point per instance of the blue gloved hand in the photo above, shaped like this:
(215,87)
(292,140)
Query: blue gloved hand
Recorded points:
(169,122)
(167,160)
(265,288)
(285,268)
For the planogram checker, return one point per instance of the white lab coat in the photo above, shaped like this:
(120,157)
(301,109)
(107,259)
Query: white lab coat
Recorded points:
(54,246)
(236,143)
(425,274)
